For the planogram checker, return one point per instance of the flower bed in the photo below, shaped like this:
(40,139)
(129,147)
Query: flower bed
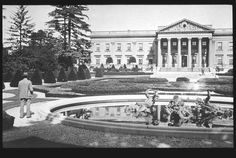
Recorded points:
(216,81)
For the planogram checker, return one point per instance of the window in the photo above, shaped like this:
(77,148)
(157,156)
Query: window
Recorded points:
(230,61)
(97,61)
(118,61)
(184,43)
(150,46)
(164,43)
(98,47)
(204,43)
(128,46)
(194,43)
(219,45)
(230,45)
(140,46)
(107,47)
(174,43)
(140,61)
(118,46)
(220,60)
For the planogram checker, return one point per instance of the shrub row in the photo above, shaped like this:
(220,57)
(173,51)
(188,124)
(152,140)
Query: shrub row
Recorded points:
(216,81)
(126,73)
(144,80)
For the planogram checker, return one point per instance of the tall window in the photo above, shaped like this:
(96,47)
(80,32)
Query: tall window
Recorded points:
(128,46)
(118,61)
(230,45)
(98,47)
(194,43)
(140,46)
(220,60)
(140,61)
(174,43)
(184,43)
(219,45)
(164,43)
(107,47)
(97,61)
(230,61)
(118,46)
(204,43)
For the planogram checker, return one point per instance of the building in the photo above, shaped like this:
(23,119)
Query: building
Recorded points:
(182,46)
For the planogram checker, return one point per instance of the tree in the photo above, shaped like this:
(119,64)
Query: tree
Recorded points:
(36,78)
(132,60)
(69,21)
(20,28)
(16,78)
(62,76)
(72,75)
(49,77)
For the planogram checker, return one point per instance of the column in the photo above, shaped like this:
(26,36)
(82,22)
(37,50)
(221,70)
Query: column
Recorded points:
(189,53)
(200,52)
(159,53)
(179,53)
(211,54)
(168,54)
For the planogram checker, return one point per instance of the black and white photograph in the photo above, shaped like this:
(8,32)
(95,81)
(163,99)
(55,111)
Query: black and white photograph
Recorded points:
(117,76)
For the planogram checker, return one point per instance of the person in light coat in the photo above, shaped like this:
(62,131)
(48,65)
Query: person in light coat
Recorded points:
(25,94)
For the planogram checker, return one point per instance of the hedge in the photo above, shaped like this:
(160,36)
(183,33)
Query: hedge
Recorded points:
(227,89)
(182,79)
(62,76)
(216,81)
(7,77)
(49,77)
(126,73)
(83,73)
(144,80)
(36,78)
(72,75)
(99,72)
(16,78)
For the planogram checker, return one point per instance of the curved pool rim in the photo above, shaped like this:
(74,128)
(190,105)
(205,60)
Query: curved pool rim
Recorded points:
(189,132)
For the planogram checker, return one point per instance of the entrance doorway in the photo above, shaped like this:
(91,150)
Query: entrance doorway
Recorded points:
(184,61)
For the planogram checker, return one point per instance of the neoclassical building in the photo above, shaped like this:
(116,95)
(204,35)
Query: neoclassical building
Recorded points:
(182,46)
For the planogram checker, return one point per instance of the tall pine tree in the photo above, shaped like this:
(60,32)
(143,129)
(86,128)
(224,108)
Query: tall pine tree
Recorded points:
(70,22)
(20,29)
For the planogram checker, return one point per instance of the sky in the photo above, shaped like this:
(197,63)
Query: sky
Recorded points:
(133,17)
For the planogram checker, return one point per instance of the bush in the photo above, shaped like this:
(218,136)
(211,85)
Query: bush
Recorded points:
(62,76)
(183,79)
(216,81)
(8,76)
(7,121)
(135,69)
(226,89)
(99,72)
(36,78)
(83,72)
(49,77)
(16,78)
(72,75)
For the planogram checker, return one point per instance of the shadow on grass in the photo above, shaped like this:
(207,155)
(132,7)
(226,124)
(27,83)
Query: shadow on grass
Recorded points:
(36,142)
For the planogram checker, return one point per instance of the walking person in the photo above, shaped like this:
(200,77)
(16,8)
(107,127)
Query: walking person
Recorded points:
(25,94)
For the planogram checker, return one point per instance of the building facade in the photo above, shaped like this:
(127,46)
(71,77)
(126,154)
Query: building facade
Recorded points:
(181,46)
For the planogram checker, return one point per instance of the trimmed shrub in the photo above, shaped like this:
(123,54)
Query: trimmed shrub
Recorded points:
(226,89)
(36,78)
(16,78)
(126,73)
(72,75)
(216,81)
(62,76)
(83,72)
(182,79)
(7,121)
(49,77)
(8,76)
(135,69)
(99,72)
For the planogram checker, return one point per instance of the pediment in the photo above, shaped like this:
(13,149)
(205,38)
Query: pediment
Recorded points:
(185,26)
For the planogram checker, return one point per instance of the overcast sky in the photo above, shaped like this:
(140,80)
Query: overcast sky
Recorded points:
(134,17)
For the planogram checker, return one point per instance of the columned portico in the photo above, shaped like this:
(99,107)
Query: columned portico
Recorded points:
(199,52)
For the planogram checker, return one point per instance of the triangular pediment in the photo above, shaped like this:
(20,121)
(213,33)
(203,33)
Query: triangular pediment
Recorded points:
(185,26)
